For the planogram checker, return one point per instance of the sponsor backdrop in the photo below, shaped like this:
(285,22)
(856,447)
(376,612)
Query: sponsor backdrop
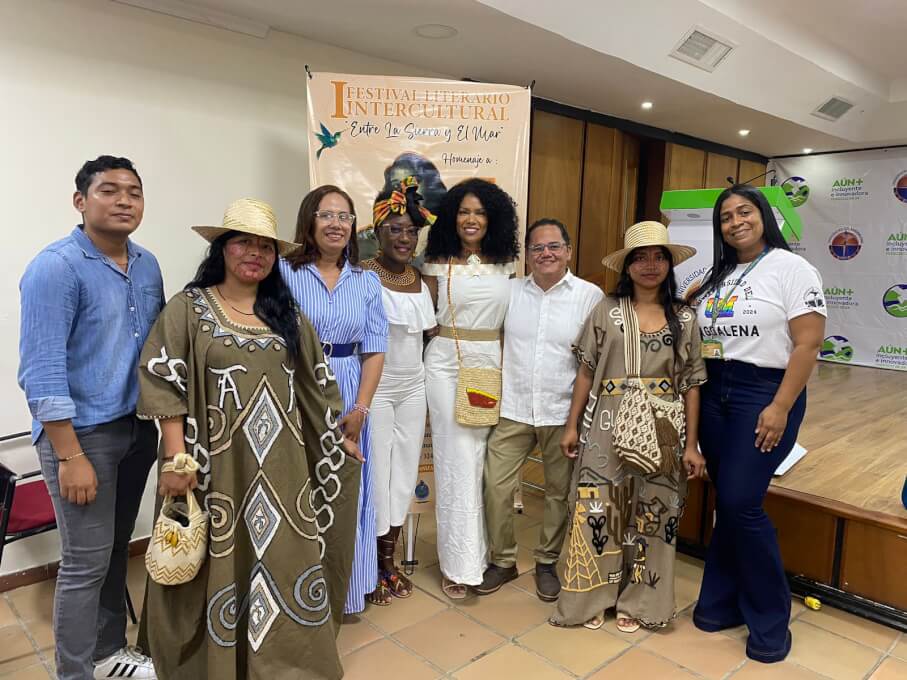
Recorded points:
(854,211)
(369,132)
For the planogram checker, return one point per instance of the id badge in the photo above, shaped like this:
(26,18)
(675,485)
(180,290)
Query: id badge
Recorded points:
(712,349)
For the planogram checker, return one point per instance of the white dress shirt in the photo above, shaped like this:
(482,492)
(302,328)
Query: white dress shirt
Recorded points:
(539,368)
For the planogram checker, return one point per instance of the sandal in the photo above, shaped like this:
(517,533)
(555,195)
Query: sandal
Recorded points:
(455,591)
(398,585)
(381,595)
(630,624)
(595,622)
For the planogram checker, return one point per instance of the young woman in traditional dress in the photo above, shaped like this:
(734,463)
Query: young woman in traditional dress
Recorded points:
(624,513)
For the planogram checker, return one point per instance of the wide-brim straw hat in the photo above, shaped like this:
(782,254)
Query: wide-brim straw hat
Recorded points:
(249,216)
(644,234)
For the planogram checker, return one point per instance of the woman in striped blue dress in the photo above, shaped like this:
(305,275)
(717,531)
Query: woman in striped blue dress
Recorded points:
(343,302)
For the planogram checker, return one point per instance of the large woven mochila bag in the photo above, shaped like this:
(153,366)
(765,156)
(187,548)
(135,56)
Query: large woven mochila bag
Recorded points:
(478,402)
(179,539)
(642,418)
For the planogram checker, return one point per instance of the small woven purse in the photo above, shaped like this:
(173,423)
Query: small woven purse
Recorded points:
(179,539)
(478,401)
(644,421)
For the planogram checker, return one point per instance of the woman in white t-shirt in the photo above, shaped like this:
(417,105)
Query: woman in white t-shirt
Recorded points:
(761,313)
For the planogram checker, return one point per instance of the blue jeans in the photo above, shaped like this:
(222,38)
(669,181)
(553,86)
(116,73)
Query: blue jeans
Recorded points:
(744,580)
(90,600)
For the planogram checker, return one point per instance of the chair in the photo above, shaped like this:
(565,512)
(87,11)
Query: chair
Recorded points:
(27,510)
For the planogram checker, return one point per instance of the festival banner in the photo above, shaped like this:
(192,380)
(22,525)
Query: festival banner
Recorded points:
(366,133)
(854,211)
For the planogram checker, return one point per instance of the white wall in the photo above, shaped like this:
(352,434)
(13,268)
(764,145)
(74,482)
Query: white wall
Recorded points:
(207,115)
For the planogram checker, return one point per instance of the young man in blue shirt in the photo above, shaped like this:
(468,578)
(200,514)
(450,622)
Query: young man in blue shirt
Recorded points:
(88,303)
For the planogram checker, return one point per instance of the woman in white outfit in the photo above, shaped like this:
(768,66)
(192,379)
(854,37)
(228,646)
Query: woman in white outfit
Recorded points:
(469,261)
(398,407)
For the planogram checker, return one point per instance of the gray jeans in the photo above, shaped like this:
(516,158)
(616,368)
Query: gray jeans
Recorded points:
(90,600)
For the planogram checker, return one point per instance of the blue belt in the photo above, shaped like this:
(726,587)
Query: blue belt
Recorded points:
(339,351)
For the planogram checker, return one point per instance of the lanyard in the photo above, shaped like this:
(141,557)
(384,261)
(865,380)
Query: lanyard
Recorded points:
(718,306)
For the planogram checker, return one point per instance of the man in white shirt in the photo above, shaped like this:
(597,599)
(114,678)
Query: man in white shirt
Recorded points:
(547,310)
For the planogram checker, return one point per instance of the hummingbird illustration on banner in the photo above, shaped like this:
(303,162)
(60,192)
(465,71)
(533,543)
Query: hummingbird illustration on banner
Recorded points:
(327,138)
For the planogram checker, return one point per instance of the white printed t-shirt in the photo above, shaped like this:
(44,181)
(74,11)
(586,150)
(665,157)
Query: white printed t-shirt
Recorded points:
(753,325)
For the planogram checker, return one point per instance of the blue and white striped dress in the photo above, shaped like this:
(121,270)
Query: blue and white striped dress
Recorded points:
(352,312)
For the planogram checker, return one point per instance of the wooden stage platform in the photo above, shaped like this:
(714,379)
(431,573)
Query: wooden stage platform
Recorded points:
(855,430)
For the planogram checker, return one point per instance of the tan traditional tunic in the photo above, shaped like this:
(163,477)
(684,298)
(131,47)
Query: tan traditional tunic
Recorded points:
(623,525)
(280,490)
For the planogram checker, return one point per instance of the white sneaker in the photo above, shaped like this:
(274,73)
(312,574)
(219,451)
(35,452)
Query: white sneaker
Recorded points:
(129,662)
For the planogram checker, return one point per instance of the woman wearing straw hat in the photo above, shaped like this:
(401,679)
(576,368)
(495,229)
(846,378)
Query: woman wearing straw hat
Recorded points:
(343,302)
(639,359)
(236,377)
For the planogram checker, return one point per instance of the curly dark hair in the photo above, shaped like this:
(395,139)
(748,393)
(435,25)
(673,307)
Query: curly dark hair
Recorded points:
(305,229)
(500,243)
(274,303)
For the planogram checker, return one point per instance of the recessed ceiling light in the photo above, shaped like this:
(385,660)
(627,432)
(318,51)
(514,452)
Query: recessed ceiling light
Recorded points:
(807,150)
(647,105)
(435,31)
(743,133)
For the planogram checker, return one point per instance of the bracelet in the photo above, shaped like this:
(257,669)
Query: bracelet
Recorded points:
(182,464)
(362,409)
(69,458)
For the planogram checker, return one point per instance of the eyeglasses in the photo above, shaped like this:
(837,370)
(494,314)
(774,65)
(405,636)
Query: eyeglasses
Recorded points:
(556,248)
(329,216)
(396,230)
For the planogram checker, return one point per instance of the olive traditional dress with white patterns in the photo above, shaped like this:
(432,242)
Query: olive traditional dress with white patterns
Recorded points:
(281,493)
(623,523)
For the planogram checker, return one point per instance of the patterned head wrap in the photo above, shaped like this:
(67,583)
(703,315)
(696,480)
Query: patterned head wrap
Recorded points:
(397,202)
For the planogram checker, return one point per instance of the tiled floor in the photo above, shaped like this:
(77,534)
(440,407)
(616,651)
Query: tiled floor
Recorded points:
(506,636)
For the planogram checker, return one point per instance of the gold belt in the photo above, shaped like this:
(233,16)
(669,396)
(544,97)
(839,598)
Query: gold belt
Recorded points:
(612,387)
(470,334)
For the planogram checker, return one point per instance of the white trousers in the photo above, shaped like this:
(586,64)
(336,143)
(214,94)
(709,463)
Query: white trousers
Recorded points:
(459,458)
(397,420)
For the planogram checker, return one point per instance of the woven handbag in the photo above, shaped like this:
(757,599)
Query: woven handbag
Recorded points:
(179,539)
(478,401)
(644,422)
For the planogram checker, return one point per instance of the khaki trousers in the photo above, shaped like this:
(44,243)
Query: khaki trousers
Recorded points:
(509,446)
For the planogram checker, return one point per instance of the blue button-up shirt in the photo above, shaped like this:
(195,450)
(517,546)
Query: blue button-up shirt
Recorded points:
(83,324)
